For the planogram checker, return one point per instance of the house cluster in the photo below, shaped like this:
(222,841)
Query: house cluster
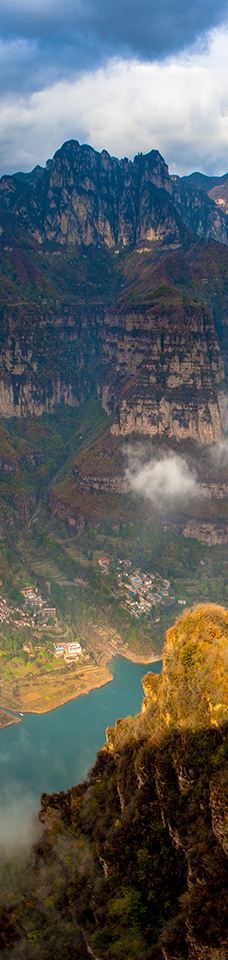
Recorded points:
(36,614)
(141,592)
(38,607)
(9,614)
(71,650)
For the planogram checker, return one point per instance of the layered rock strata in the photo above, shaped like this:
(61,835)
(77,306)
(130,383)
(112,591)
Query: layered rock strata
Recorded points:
(169,372)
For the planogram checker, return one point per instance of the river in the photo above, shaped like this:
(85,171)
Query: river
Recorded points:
(52,751)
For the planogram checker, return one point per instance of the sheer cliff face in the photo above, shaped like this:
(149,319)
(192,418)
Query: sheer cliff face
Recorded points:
(46,357)
(159,370)
(169,373)
(133,861)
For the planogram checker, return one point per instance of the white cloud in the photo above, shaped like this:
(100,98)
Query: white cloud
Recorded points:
(19,825)
(165,481)
(179,106)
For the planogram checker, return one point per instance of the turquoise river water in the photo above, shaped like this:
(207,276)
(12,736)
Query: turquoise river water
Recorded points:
(52,751)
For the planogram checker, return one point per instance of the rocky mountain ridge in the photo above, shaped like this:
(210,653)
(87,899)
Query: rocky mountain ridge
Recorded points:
(83,196)
(215,187)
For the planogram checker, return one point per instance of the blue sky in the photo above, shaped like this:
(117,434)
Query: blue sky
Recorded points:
(127,75)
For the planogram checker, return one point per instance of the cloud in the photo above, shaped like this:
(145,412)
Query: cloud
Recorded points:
(166,481)
(85,30)
(19,825)
(179,106)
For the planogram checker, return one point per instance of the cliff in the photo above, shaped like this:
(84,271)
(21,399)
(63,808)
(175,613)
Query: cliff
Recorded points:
(144,332)
(133,862)
(168,372)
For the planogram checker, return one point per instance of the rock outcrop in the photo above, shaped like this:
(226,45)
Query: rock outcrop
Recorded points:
(210,533)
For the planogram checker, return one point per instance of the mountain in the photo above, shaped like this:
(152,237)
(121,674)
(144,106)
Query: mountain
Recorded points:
(204,182)
(88,197)
(215,187)
(114,277)
(132,863)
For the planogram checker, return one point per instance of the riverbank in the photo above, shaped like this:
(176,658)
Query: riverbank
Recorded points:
(6,720)
(51,751)
(136,658)
(52,690)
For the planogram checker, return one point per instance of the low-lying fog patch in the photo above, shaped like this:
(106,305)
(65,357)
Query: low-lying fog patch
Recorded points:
(19,824)
(165,479)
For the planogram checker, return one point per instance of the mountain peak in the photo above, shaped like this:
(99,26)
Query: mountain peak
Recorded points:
(87,197)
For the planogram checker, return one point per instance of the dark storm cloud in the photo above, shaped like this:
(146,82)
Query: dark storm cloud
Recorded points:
(46,40)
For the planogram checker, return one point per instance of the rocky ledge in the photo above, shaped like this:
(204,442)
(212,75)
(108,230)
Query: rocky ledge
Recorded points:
(211,533)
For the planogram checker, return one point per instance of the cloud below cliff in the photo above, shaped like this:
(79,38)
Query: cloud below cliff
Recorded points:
(178,105)
(166,481)
(19,826)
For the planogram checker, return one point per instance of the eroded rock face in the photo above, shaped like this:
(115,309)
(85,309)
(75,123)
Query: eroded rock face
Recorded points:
(104,483)
(157,372)
(168,373)
(44,358)
(210,533)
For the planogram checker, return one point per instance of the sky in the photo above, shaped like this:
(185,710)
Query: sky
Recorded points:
(125,75)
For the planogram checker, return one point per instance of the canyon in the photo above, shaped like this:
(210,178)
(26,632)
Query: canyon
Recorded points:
(132,862)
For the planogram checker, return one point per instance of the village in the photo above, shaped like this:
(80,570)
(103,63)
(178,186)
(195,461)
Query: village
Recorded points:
(139,592)
(33,610)
(142,594)
(41,618)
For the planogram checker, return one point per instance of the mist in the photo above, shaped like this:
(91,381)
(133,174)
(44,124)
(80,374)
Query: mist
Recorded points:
(19,825)
(166,480)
